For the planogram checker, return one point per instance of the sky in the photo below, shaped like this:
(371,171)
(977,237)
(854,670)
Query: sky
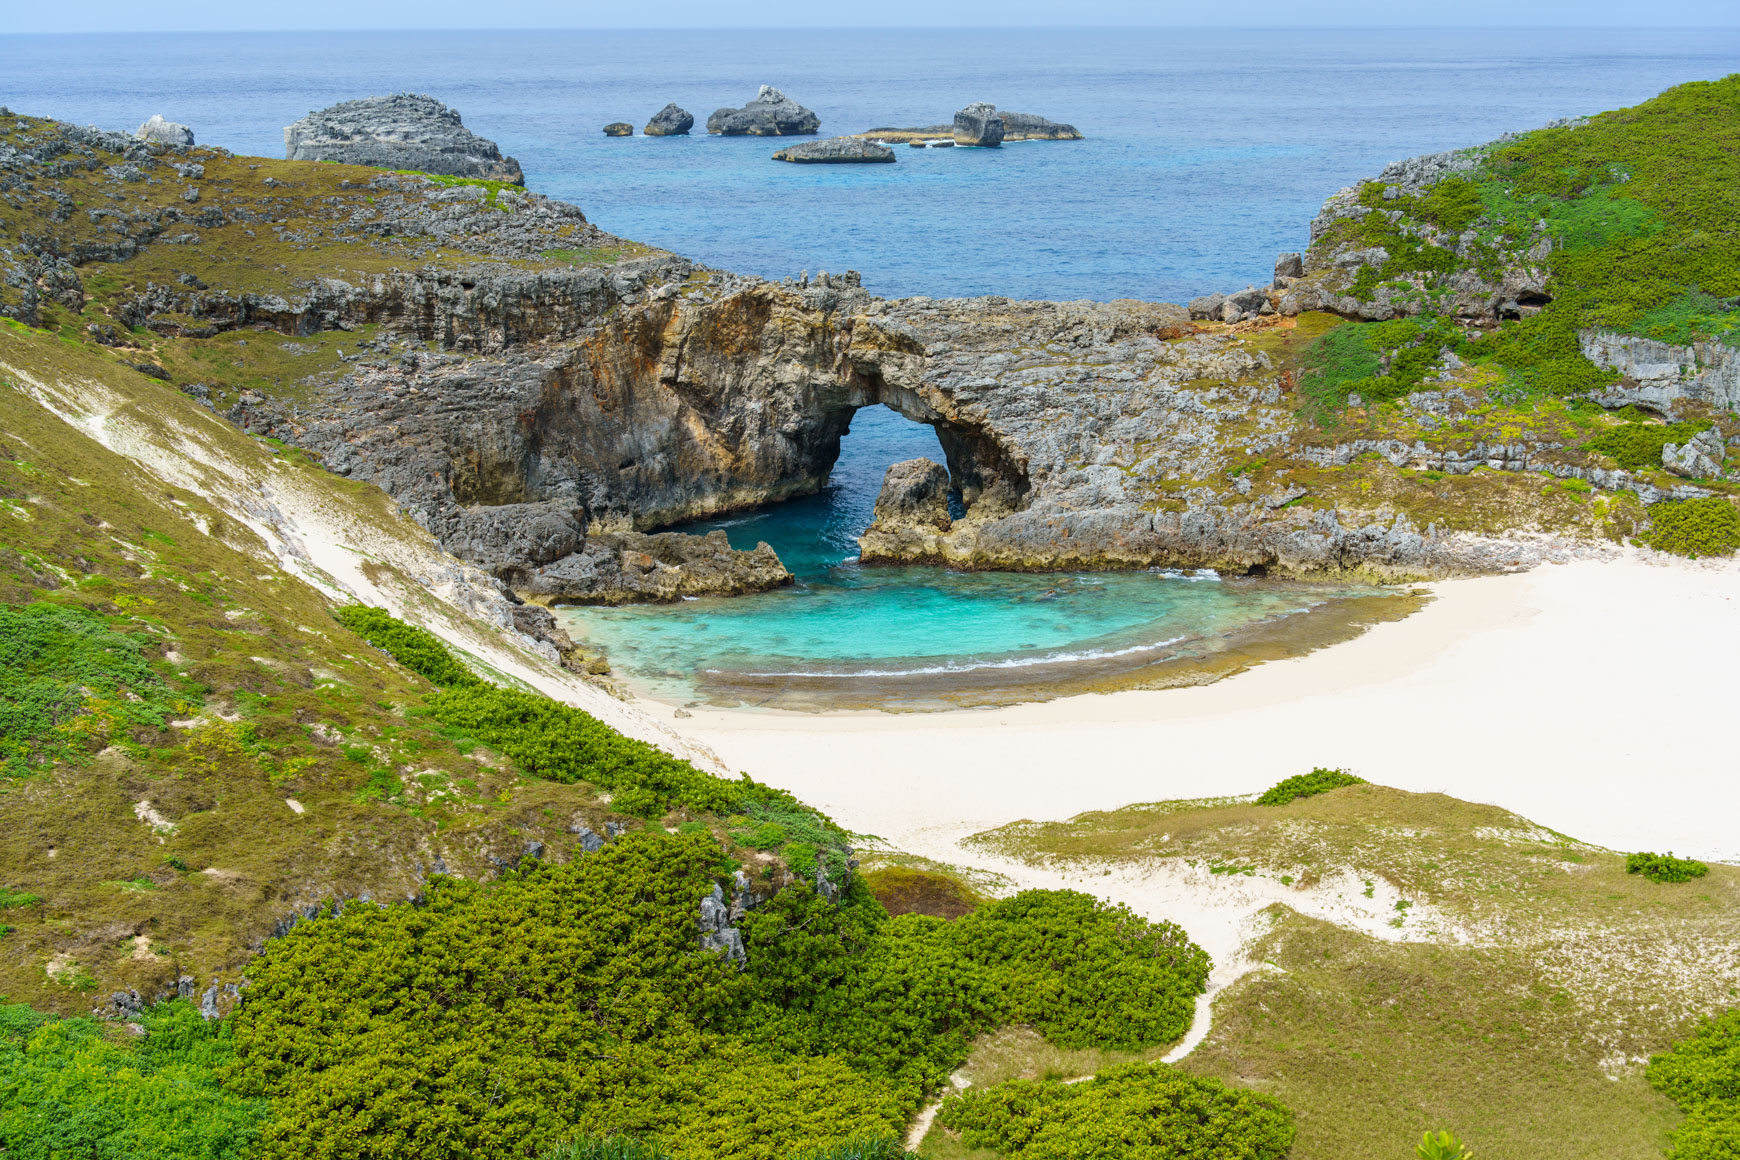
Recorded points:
(22,16)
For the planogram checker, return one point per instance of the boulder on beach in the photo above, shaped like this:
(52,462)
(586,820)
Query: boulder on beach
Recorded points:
(403,131)
(836,151)
(979,124)
(619,129)
(770,114)
(164,132)
(1028,127)
(670,121)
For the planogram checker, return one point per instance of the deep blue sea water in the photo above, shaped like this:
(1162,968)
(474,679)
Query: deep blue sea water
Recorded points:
(1206,153)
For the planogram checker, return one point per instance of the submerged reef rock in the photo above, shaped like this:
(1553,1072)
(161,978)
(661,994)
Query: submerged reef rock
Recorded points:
(836,151)
(912,508)
(1028,127)
(164,132)
(619,129)
(670,121)
(770,114)
(403,131)
(979,124)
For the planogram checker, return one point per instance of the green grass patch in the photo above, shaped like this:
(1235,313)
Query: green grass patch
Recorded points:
(1638,446)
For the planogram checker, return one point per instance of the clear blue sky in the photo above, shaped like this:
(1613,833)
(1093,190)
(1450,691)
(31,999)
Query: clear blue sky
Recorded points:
(219,15)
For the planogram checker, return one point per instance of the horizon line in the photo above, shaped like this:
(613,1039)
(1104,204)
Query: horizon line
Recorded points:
(159,30)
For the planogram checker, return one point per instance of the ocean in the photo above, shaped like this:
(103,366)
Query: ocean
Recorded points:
(1206,152)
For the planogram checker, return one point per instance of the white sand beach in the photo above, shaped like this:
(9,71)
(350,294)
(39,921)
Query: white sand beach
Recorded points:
(1597,698)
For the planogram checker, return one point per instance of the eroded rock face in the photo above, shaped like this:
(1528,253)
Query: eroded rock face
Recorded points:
(912,508)
(670,121)
(632,568)
(979,124)
(1658,374)
(619,129)
(1028,127)
(164,132)
(770,114)
(836,151)
(403,131)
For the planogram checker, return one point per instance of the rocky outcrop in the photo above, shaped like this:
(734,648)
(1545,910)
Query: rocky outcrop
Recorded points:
(670,121)
(770,114)
(630,568)
(836,151)
(403,131)
(912,508)
(1698,458)
(164,132)
(1657,374)
(979,124)
(1028,127)
(619,129)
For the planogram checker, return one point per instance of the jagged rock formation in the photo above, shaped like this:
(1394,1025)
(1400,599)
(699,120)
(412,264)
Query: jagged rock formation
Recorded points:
(164,132)
(403,131)
(836,151)
(1028,127)
(619,129)
(631,568)
(979,124)
(770,114)
(1657,374)
(670,121)
(911,509)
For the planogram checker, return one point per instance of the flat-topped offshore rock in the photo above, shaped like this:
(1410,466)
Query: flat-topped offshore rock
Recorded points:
(619,129)
(979,124)
(1029,127)
(835,151)
(670,121)
(770,114)
(403,131)
(164,132)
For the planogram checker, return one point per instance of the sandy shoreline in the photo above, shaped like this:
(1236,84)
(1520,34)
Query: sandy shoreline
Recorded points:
(1595,698)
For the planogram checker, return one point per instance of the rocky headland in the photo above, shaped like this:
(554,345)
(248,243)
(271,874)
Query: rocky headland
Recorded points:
(533,390)
(770,114)
(402,131)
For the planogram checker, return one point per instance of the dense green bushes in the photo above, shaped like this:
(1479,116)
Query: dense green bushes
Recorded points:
(77,1088)
(1133,1112)
(1636,446)
(1318,781)
(66,676)
(573,1000)
(1702,1075)
(1709,526)
(1665,867)
(1378,361)
(417,649)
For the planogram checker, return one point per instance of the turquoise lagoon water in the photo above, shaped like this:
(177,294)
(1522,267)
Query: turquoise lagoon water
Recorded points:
(914,637)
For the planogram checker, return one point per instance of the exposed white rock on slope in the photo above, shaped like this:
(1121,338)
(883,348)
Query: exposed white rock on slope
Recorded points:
(347,541)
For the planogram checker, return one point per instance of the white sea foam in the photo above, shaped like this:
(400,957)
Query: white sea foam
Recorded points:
(1092,654)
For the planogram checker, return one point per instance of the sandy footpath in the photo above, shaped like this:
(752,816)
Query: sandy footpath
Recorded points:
(1601,699)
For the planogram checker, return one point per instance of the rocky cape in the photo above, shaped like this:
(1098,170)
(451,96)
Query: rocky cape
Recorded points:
(538,394)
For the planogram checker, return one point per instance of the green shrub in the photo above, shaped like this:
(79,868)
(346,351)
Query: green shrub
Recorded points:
(1132,1112)
(1636,446)
(68,1088)
(860,1148)
(1442,1146)
(573,1002)
(1378,360)
(1665,867)
(1702,1075)
(67,677)
(11,899)
(1709,526)
(1318,781)
(605,1148)
(417,649)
